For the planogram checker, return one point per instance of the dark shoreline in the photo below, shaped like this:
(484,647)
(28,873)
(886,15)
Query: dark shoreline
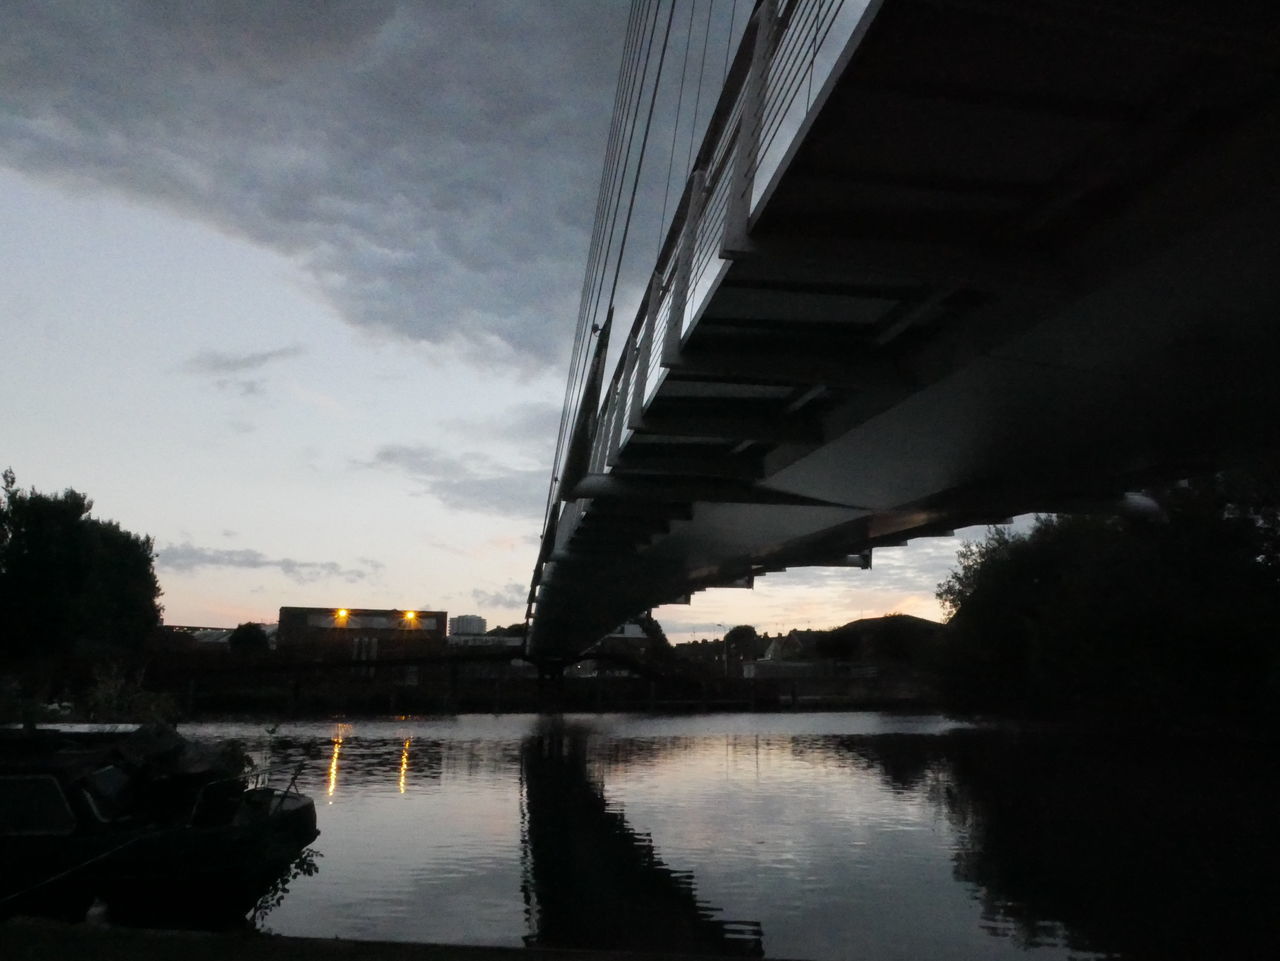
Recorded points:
(26,939)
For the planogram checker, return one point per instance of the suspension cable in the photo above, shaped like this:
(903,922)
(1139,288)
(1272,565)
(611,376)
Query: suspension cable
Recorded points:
(697,102)
(728,43)
(626,165)
(609,176)
(644,143)
(634,83)
(675,132)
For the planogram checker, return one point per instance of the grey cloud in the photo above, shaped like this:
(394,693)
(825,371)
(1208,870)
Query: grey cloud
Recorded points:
(245,388)
(188,558)
(267,39)
(473,482)
(432,166)
(510,595)
(916,568)
(531,427)
(218,362)
(444,548)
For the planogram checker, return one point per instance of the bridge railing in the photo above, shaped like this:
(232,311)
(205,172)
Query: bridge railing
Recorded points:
(812,39)
(790,55)
(792,49)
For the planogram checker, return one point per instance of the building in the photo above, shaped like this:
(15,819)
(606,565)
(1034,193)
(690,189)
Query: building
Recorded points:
(467,624)
(615,654)
(495,642)
(360,635)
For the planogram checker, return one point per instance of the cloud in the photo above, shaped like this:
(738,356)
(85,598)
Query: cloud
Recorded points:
(531,427)
(188,558)
(245,388)
(474,482)
(914,569)
(217,362)
(510,595)
(432,167)
(918,568)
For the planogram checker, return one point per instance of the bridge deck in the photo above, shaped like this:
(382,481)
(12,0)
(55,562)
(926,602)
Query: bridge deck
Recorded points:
(1018,257)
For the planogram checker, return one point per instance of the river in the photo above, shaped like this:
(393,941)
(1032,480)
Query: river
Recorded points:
(820,836)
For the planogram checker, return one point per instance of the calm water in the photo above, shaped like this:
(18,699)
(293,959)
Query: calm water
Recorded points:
(823,836)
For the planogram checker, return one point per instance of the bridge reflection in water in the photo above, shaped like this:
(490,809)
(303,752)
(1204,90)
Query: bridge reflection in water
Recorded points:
(590,881)
(852,836)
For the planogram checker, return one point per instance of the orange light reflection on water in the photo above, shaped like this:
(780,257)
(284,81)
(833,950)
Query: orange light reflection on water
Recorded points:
(339,733)
(333,765)
(404,763)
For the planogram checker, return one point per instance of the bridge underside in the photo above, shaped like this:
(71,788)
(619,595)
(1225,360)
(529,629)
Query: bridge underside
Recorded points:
(1025,258)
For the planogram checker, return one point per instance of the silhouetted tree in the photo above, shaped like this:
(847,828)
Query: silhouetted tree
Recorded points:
(841,643)
(1139,615)
(511,630)
(69,581)
(740,641)
(249,639)
(658,643)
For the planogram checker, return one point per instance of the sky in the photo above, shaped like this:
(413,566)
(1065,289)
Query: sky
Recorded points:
(291,288)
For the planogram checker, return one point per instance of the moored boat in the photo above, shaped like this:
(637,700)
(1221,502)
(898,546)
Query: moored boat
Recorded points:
(160,829)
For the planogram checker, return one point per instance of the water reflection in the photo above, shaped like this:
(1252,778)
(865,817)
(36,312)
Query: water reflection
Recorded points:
(1144,846)
(303,866)
(404,764)
(333,766)
(593,882)
(841,836)
(340,732)
(1134,846)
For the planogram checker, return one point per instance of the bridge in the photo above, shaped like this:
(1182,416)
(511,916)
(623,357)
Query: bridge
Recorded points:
(935,263)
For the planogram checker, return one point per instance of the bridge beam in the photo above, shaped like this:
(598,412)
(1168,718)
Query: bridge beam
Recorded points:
(671,492)
(730,427)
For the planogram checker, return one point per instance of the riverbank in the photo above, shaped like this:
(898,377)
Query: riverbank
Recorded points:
(24,939)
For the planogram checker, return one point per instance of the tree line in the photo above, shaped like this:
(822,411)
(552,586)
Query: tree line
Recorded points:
(75,591)
(1170,613)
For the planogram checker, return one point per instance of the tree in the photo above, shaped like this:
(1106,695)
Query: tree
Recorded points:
(249,639)
(1125,614)
(741,640)
(70,582)
(511,630)
(658,643)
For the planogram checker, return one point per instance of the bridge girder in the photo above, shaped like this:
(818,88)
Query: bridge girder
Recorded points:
(1017,260)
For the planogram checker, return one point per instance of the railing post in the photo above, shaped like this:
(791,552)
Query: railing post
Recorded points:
(622,409)
(645,350)
(684,270)
(750,123)
(599,439)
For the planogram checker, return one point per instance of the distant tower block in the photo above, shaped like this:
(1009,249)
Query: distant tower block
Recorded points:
(467,624)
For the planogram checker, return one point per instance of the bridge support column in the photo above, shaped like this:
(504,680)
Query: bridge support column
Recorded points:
(550,687)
